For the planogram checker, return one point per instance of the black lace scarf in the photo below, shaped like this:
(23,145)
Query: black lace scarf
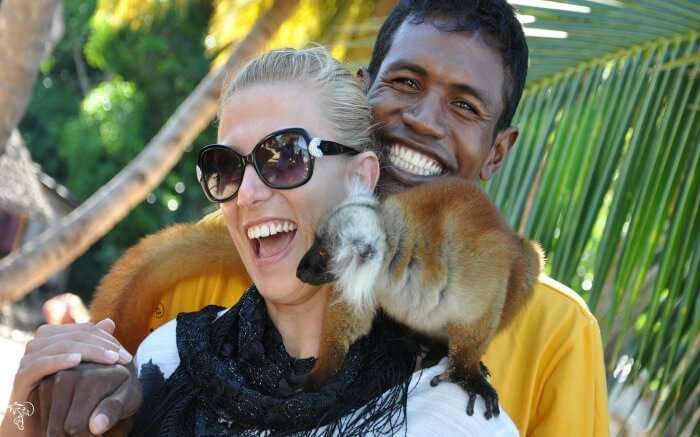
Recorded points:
(235,378)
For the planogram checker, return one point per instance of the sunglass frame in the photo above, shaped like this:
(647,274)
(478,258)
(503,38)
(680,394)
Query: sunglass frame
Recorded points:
(324,146)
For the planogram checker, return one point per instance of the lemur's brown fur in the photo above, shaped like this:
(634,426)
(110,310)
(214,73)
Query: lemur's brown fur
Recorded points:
(335,341)
(445,263)
(130,292)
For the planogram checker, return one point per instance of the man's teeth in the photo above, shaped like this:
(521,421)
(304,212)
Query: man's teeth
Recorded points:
(414,162)
(270,228)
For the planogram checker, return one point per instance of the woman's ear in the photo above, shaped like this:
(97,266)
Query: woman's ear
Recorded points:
(363,169)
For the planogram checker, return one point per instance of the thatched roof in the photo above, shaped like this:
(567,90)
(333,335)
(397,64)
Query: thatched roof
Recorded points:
(20,190)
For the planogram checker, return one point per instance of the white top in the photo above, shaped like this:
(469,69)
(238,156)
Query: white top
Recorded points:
(438,411)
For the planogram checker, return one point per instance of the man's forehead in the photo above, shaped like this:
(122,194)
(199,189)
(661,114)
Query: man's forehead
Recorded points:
(450,57)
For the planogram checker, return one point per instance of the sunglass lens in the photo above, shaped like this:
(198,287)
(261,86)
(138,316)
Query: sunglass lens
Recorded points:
(284,160)
(222,172)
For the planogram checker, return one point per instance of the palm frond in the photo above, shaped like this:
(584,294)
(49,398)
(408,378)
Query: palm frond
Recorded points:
(606,177)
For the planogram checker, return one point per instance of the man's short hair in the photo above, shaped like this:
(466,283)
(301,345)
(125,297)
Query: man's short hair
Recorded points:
(494,18)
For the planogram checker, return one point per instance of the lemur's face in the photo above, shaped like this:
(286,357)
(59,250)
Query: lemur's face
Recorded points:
(315,267)
(349,246)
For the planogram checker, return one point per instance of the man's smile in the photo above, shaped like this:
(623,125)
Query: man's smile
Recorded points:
(414,162)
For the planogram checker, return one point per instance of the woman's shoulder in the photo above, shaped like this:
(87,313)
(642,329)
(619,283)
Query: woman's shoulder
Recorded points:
(443,409)
(160,348)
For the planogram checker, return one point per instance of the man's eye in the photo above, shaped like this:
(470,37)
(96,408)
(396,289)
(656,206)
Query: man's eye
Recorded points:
(410,83)
(461,104)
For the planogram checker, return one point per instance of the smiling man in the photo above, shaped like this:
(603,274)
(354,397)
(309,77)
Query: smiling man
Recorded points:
(442,98)
(444,81)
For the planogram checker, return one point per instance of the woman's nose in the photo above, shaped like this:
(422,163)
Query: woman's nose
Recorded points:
(252,189)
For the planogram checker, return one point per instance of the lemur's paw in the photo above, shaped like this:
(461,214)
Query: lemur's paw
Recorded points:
(474,385)
(484,370)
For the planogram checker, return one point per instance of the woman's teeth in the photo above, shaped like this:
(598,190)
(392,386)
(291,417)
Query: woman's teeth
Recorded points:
(270,228)
(414,162)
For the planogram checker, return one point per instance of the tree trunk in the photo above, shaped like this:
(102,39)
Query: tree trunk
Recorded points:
(36,261)
(27,35)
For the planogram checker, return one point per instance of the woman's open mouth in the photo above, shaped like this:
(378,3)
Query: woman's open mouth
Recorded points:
(271,240)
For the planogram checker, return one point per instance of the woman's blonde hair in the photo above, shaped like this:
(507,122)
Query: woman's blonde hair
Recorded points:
(344,102)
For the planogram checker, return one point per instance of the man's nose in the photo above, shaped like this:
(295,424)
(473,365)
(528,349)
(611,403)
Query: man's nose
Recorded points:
(425,117)
(252,189)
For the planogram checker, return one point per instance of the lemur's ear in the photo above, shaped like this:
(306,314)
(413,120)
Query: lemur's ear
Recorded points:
(363,75)
(358,187)
(363,173)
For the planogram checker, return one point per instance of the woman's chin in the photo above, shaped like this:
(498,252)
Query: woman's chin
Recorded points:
(278,281)
(281,289)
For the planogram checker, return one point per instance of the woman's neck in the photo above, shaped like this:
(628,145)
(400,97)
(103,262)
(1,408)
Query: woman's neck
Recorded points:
(300,323)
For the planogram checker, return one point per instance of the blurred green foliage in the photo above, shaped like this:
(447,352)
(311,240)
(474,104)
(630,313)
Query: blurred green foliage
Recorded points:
(103,94)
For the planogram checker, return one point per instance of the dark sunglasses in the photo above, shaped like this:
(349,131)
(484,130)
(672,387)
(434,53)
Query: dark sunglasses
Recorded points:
(283,160)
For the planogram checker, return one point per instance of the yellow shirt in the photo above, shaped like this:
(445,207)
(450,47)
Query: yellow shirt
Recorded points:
(547,365)
(548,368)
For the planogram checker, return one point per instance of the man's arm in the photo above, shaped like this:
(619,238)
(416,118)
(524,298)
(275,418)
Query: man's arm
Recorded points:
(548,367)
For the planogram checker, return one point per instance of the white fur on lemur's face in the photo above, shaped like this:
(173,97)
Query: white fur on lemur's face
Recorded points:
(250,115)
(349,248)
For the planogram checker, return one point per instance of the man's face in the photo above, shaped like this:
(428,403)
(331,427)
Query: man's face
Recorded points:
(437,97)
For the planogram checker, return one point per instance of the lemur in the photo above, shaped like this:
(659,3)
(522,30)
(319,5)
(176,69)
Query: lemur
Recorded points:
(438,258)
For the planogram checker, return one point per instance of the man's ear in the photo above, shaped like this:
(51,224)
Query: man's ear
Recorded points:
(503,144)
(363,75)
(364,168)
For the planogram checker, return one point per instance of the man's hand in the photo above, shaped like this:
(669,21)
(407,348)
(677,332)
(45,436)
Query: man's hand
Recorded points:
(86,400)
(64,309)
